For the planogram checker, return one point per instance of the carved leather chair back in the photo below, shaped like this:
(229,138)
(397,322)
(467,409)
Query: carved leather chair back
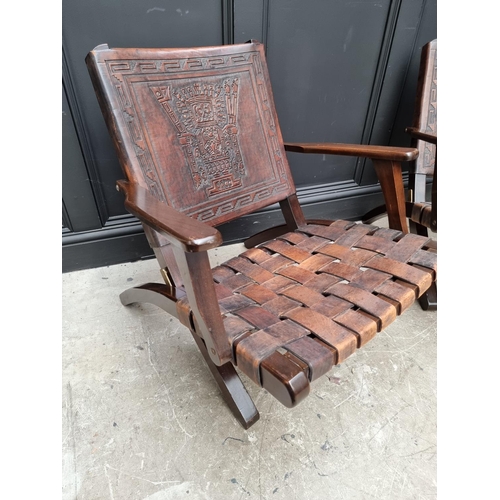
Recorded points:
(198,130)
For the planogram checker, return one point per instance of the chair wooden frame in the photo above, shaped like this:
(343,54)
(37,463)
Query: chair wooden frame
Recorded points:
(185,124)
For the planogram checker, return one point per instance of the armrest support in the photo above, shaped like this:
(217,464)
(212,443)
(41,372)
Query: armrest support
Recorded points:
(387,162)
(390,175)
(190,240)
(389,153)
(180,230)
(423,136)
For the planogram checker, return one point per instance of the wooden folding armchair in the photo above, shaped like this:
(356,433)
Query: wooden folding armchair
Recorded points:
(198,139)
(419,209)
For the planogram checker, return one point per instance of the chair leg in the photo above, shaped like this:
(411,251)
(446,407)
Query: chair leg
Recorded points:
(428,301)
(233,391)
(416,228)
(159,294)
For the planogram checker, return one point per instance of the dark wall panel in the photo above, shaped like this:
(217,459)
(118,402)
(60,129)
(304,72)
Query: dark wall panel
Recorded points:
(323,59)
(250,20)
(79,206)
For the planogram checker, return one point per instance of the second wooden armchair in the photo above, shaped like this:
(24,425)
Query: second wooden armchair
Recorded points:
(198,138)
(418,207)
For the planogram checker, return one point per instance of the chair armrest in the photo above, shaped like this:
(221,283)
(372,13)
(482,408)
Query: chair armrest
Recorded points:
(423,136)
(179,229)
(389,153)
(387,163)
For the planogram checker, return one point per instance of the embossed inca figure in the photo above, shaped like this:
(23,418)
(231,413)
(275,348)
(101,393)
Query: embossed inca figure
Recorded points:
(205,118)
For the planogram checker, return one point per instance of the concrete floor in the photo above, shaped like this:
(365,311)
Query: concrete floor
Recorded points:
(143,419)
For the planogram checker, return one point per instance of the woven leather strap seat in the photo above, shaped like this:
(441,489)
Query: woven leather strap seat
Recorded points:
(320,292)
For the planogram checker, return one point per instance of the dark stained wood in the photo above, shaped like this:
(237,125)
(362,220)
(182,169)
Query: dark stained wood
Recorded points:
(391,182)
(428,301)
(158,294)
(233,391)
(199,142)
(423,136)
(389,153)
(286,380)
(433,222)
(196,275)
(180,230)
(292,212)
(164,256)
